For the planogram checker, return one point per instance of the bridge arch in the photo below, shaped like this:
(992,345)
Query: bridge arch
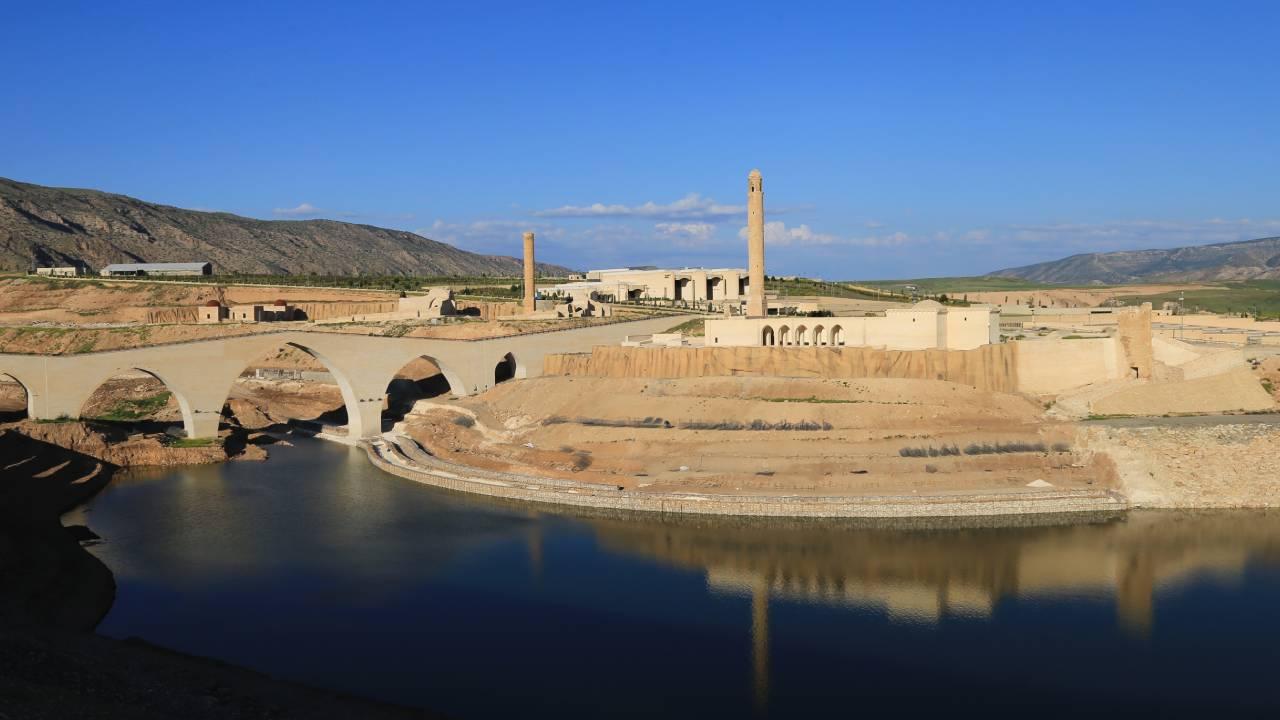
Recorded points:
(419,378)
(364,375)
(506,369)
(14,413)
(138,409)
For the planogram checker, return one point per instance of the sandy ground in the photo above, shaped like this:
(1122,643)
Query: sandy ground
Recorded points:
(1268,369)
(62,318)
(1169,464)
(858,430)
(23,300)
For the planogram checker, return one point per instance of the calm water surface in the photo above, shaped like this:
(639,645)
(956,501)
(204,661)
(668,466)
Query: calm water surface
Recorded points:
(316,567)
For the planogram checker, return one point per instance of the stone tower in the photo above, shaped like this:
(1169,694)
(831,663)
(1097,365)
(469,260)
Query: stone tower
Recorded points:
(756,307)
(529,304)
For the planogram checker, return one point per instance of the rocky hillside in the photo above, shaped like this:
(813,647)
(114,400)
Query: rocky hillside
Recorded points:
(1246,260)
(56,226)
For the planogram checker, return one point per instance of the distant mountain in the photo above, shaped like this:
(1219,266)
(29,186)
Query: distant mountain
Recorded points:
(56,226)
(1245,260)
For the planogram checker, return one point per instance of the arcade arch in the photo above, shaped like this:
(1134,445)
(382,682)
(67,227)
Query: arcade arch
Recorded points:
(505,369)
(14,399)
(136,397)
(418,379)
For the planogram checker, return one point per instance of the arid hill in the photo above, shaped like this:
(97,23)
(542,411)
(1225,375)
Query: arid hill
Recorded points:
(1247,260)
(57,226)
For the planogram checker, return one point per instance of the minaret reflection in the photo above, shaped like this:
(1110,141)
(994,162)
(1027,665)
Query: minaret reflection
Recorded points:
(760,643)
(534,542)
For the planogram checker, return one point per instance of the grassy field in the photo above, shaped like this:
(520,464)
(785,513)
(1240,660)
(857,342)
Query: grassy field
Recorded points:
(953,285)
(804,287)
(693,328)
(1253,297)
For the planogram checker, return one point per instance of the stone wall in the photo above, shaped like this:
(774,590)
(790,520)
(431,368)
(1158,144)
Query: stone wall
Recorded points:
(173,315)
(991,367)
(1134,331)
(331,310)
(311,310)
(1049,367)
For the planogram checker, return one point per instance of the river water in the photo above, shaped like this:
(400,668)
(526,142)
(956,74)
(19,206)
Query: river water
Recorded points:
(316,567)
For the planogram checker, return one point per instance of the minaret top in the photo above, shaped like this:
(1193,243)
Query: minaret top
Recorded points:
(754,175)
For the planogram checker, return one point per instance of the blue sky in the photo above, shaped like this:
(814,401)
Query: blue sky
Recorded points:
(896,139)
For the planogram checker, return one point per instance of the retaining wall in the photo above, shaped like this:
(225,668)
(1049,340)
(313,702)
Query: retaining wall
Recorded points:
(991,367)
(569,493)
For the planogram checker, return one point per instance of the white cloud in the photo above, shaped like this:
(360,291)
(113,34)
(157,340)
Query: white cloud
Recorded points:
(691,207)
(492,236)
(302,210)
(686,234)
(777,233)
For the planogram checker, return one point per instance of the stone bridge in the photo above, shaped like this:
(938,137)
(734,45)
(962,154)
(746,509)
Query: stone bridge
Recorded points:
(200,373)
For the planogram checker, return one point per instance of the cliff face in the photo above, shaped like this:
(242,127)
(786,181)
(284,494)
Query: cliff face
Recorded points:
(56,226)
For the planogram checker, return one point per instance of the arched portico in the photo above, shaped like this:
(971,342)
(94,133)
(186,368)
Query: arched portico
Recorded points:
(819,336)
(767,337)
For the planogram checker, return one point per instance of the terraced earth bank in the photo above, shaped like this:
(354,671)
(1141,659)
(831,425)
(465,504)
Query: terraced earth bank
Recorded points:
(772,436)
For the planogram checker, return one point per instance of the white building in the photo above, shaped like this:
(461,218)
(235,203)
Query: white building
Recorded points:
(58,271)
(163,269)
(688,284)
(925,325)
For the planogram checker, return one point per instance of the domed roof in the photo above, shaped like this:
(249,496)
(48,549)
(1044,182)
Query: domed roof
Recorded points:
(927,305)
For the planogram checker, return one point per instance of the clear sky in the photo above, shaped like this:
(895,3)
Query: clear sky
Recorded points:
(896,139)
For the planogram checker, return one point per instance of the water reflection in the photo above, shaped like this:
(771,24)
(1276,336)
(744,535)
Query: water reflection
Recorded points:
(927,572)
(317,567)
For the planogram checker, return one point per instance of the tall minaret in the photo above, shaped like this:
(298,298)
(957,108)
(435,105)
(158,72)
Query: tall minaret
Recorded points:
(530,305)
(756,307)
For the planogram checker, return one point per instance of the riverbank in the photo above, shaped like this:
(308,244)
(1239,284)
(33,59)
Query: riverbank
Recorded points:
(403,457)
(55,674)
(54,592)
